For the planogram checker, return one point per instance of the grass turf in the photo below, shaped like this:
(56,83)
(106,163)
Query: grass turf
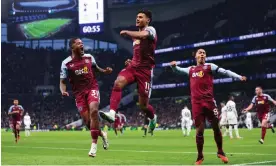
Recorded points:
(165,147)
(42,28)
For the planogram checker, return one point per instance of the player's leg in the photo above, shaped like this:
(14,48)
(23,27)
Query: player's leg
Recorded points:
(231,131)
(125,77)
(212,115)
(94,126)
(144,82)
(183,127)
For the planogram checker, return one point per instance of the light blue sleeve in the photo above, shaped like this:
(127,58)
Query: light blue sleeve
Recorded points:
(180,70)
(63,71)
(10,109)
(269,97)
(253,100)
(152,32)
(229,73)
(94,63)
(21,107)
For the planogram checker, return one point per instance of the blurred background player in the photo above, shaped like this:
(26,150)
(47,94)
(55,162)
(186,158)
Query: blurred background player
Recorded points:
(203,103)
(248,121)
(15,112)
(139,69)
(186,121)
(223,119)
(123,122)
(80,69)
(232,117)
(261,103)
(27,123)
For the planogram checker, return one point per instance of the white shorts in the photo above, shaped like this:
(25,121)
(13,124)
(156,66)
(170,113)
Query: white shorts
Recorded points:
(223,121)
(232,120)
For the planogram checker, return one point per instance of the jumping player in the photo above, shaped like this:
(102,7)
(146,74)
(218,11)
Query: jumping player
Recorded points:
(138,70)
(15,111)
(203,103)
(80,69)
(223,119)
(232,117)
(261,103)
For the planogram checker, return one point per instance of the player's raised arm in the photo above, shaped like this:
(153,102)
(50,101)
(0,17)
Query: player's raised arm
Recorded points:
(270,99)
(107,70)
(62,82)
(250,106)
(179,70)
(149,33)
(229,73)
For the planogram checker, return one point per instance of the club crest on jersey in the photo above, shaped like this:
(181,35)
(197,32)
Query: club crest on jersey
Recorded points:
(86,61)
(136,42)
(198,74)
(84,70)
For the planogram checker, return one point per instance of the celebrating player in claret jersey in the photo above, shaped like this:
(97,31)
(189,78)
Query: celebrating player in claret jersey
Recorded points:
(80,69)
(186,121)
(15,111)
(139,69)
(203,103)
(223,119)
(232,117)
(261,103)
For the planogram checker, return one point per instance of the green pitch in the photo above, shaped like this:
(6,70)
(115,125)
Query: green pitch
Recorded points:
(42,28)
(165,147)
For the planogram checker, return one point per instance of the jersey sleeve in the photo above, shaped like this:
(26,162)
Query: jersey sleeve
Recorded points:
(10,109)
(215,69)
(181,70)
(152,32)
(253,100)
(269,98)
(63,71)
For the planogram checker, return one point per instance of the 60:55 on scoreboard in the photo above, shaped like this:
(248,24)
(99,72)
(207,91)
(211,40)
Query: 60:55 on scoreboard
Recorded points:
(91,16)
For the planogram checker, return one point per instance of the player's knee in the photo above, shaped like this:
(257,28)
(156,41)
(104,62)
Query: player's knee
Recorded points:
(120,82)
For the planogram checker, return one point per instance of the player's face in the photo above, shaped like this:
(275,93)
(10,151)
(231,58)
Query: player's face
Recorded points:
(142,20)
(15,102)
(258,91)
(200,56)
(78,47)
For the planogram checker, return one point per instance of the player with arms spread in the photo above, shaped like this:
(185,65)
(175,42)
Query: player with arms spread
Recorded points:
(139,69)
(80,69)
(261,103)
(15,112)
(203,103)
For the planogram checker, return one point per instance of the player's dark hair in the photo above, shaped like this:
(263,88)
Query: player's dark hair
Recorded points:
(72,41)
(195,51)
(147,13)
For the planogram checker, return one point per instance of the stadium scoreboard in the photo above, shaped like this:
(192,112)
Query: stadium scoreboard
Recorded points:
(91,16)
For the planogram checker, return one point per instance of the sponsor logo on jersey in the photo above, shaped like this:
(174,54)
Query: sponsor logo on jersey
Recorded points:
(136,42)
(198,74)
(84,70)
(261,102)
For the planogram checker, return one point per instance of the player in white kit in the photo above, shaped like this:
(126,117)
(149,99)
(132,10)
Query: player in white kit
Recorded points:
(223,119)
(232,117)
(248,121)
(27,123)
(186,121)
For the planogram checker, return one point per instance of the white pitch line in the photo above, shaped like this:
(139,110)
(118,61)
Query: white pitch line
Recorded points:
(258,162)
(143,151)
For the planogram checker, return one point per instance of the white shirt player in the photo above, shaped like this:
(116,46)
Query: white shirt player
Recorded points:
(186,114)
(27,121)
(231,112)
(223,115)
